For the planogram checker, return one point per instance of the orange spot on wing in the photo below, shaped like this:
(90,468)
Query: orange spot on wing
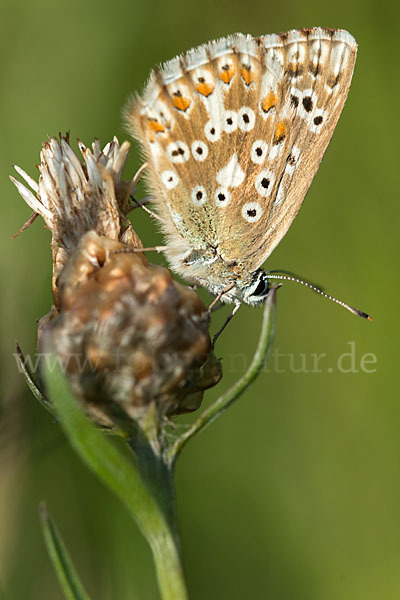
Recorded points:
(205,89)
(269,102)
(180,102)
(280,132)
(227,74)
(247,74)
(156,126)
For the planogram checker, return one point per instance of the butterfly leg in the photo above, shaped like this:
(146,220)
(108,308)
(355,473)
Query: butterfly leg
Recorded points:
(142,203)
(218,298)
(139,203)
(130,250)
(230,317)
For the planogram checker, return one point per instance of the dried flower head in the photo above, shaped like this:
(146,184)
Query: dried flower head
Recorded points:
(74,198)
(127,334)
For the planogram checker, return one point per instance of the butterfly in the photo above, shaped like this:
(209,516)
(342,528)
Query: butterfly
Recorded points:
(233,132)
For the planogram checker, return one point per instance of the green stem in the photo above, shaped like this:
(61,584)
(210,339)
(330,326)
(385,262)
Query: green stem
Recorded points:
(224,401)
(134,482)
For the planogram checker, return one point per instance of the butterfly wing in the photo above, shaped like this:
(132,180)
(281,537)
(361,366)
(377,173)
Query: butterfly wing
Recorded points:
(234,132)
(295,105)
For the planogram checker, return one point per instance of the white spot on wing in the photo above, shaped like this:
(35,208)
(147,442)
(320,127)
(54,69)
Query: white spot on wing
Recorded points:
(264,182)
(199,195)
(222,196)
(251,212)
(232,174)
(309,100)
(275,150)
(199,150)
(293,160)
(170,179)
(259,151)
(246,118)
(212,131)
(178,152)
(230,121)
(318,120)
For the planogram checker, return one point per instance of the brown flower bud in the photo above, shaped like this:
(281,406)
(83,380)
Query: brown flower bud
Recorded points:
(130,338)
(127,333)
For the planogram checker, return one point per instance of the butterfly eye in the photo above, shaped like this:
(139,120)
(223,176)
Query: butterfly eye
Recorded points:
(258,290)
(261,289)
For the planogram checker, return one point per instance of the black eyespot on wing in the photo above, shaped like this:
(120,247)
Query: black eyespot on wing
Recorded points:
(221,197)
(318,120)
(314,69)
(265,183)
(308,103)
(252,212)
(294,100)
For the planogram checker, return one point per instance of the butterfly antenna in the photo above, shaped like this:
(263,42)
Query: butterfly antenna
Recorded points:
(353,310)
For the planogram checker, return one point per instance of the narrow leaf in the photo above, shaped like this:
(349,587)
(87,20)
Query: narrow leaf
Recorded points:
(108,462)
(22,366)
(67,576)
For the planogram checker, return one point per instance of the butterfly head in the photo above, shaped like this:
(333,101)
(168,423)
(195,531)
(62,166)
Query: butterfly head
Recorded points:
(256,291)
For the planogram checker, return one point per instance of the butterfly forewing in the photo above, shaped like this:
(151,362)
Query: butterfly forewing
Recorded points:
(234,132)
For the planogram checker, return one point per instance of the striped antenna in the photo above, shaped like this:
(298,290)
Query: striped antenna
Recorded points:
(353,310)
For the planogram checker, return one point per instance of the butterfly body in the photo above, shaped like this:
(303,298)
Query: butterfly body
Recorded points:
(234,132)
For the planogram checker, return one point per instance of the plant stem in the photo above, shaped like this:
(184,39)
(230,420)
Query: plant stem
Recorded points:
(134,482)
(224,401)
(164,540)
(168,565)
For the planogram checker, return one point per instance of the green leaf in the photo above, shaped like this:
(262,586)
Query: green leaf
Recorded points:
(67,576)
(123,477)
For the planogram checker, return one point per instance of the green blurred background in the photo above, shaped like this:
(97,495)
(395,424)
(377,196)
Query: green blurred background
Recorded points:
(295,492)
